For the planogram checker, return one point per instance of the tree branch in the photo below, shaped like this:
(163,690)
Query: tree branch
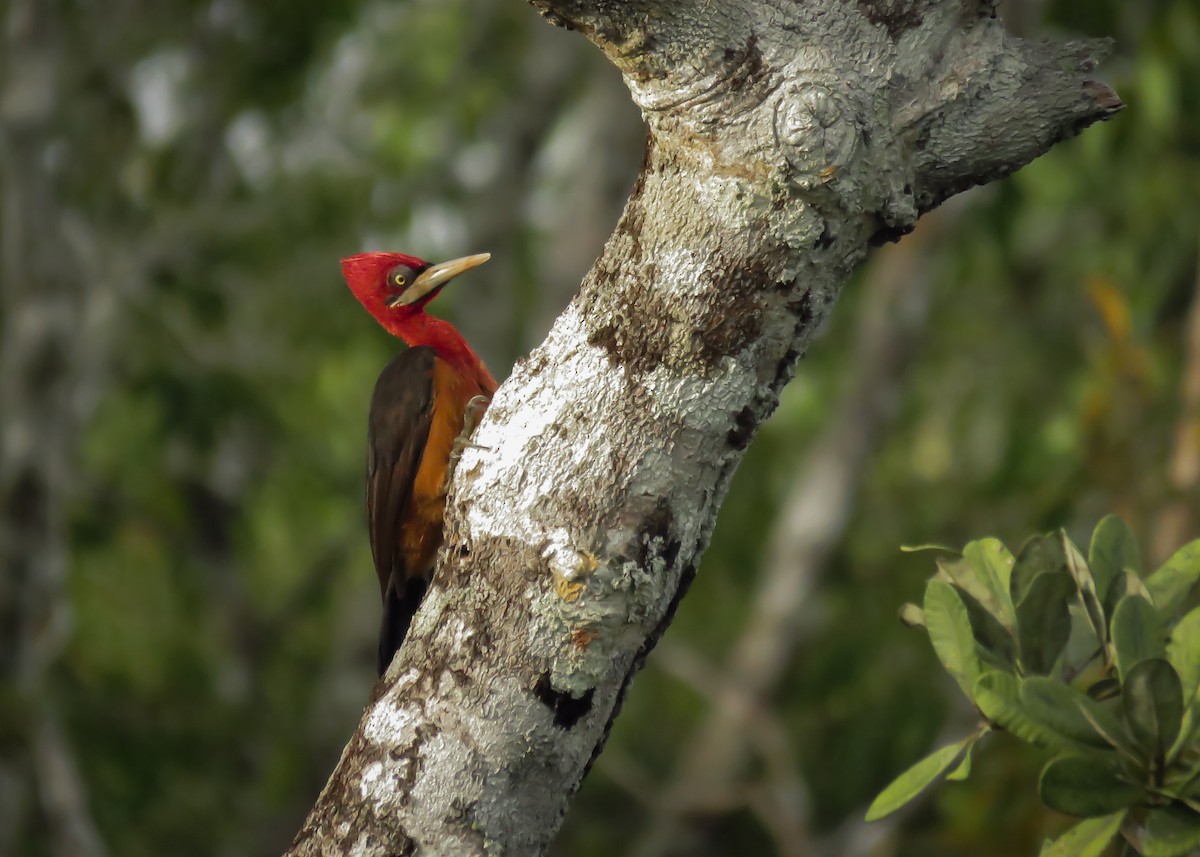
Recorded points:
(784,138)
(811,523)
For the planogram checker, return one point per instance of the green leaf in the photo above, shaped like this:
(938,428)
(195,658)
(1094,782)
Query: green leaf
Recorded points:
(1086,585)
(993,564)
(991,553)
(1124,584)
(1183,652)
(996,644)
(1184,784)
(1040,555)
(926,547)
(1088,838)
(970,580)
(1171,584)
(912,616)
(977,581)
(998,695)
(1086,786)
(1153,702)
(918,778)
(963,769)
(1108,687)
(1059,707)
(1171,832)
(1083,655)
(1108,726)
(1044,621)
(950,632)
(1138,633)
(1113,551)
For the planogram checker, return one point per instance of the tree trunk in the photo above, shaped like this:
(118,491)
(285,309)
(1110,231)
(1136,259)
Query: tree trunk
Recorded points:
(784,139)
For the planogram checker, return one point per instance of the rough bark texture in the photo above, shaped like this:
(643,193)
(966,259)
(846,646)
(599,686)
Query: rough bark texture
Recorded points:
(784,138)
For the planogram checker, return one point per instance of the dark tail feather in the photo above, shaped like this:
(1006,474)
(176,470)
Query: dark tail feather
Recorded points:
(398,611)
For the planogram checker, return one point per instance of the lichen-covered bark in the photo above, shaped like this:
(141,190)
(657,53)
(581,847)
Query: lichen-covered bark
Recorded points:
(784,138)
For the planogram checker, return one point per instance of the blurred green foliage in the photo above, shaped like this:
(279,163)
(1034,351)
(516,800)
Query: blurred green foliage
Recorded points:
(227,153)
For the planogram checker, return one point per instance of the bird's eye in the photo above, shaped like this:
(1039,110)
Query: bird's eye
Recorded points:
(400,277)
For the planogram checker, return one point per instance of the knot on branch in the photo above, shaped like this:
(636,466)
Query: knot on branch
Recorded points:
(816,130)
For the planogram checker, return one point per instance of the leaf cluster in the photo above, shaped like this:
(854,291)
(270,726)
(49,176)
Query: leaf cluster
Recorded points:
(1086,658)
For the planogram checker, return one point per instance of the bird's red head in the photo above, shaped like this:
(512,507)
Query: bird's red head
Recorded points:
(394,287)
(370,277)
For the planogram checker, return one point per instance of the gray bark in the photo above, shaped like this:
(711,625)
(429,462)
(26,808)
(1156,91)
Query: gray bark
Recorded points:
(784,138)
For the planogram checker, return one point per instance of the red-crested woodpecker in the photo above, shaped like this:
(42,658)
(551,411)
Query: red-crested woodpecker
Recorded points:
(417,415)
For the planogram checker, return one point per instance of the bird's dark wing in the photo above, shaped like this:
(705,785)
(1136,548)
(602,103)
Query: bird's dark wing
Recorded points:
(400,604)
(397,430)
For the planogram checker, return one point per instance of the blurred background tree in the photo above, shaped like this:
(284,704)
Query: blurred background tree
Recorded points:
(187,608)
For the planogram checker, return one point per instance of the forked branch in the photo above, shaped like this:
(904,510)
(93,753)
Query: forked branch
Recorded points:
(784,138)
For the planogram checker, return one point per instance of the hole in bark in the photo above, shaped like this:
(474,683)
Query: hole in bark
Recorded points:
(658,527)
(408,847)
(886,233)
(743,429)
(671,552)
(567,709)
(896,18)
(783,372)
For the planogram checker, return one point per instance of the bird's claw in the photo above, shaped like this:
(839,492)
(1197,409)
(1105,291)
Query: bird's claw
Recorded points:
(462,444)
(474,411)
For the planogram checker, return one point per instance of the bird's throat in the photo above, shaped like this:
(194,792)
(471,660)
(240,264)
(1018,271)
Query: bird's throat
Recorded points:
(420,328)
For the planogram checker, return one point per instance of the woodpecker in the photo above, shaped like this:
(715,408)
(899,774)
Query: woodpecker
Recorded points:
(423,400)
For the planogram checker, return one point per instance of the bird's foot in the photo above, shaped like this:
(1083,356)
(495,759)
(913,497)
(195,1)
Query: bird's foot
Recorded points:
(474,413)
